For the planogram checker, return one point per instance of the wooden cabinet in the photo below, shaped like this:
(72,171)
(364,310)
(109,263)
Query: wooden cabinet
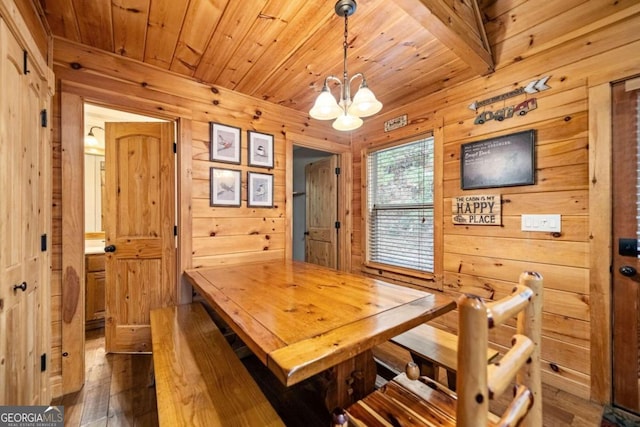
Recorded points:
(94,291)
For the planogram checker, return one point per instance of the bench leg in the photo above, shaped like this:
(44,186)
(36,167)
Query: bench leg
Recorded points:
(451,380)
(427,368)
(152,376)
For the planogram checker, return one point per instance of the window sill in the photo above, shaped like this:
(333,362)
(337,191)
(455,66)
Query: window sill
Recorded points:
(402,276)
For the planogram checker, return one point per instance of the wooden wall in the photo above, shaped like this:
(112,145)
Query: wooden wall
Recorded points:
(207,236)
(580,44)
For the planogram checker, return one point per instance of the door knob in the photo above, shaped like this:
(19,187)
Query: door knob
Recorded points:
(110,248)
(306,233)
(628,271)
(22,286)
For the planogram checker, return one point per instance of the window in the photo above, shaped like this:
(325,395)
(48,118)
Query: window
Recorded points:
(400,205)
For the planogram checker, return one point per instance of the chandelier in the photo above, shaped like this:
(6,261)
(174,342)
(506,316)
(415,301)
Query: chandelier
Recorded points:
(346,112)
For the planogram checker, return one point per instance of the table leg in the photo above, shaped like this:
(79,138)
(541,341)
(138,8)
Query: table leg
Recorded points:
(349,381)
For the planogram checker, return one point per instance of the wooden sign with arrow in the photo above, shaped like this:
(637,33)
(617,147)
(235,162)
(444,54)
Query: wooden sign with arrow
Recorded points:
(532,87)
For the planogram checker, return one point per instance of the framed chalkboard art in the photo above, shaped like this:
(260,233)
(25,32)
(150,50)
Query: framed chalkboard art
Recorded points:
(504,161)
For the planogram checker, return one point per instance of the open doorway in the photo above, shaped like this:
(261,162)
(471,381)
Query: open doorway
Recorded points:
(96,190)
(315,206)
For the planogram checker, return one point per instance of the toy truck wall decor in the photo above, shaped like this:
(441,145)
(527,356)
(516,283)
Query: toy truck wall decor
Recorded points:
(507,112)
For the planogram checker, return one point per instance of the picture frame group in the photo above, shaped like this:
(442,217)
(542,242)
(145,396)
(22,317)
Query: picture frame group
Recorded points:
(226,143)
(226,183)
(226,188)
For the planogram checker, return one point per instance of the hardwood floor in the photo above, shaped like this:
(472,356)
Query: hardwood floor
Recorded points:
(119,392)
(118,389)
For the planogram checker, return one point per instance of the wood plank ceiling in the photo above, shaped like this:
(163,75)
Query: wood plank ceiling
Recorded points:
(281,50)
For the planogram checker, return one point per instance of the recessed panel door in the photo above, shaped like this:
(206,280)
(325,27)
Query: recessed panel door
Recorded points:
(322,211)
(139,231)
(24,272)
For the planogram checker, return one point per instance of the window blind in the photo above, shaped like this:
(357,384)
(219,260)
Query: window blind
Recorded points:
(400,205)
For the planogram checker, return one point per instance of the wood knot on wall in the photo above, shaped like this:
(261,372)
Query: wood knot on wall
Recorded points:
(71,294)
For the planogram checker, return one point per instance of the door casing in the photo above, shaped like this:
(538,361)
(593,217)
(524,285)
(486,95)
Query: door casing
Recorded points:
(73,97)
(345,183)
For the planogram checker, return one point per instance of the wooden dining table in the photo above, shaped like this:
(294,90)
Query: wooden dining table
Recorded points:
(304,320)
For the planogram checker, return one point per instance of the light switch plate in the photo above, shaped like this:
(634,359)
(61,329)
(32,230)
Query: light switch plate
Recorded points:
(548,222)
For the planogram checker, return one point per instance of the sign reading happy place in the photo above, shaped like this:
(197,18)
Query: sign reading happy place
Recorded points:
(476,210)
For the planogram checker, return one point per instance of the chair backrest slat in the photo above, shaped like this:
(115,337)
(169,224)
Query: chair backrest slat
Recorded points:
(518,408)
(478,383)
(506,308)
(501,373)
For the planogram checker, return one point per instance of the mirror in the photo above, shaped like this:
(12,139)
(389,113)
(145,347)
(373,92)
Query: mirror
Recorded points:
(94,170)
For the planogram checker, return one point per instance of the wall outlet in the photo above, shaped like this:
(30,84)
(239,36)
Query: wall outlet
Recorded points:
(548,222)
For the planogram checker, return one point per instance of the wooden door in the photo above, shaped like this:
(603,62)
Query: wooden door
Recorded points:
(139,231)
(322,212)
(626,232)
(24,272)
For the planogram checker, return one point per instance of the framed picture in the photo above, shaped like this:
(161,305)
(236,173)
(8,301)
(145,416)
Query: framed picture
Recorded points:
(225,187)
(259,190)
(260,149)
(225,143)
(504,161)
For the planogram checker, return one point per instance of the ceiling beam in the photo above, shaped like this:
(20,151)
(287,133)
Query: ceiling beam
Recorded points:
(465,37)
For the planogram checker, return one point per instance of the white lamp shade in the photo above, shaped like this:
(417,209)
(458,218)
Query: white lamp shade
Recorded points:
(364,103)
(91,140)
(325,107)
(346,122)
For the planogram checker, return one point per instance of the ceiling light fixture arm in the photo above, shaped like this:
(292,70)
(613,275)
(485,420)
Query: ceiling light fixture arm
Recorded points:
(92,128)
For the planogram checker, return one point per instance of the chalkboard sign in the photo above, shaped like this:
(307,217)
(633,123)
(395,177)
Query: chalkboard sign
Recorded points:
(504,161)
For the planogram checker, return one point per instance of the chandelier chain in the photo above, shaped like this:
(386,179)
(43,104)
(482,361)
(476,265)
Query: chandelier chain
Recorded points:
(345,46)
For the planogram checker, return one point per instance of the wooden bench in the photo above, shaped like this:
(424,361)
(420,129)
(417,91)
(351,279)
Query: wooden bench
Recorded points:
(433,348)
(199,379)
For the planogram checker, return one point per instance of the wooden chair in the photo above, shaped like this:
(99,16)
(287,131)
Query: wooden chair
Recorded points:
(407,402)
